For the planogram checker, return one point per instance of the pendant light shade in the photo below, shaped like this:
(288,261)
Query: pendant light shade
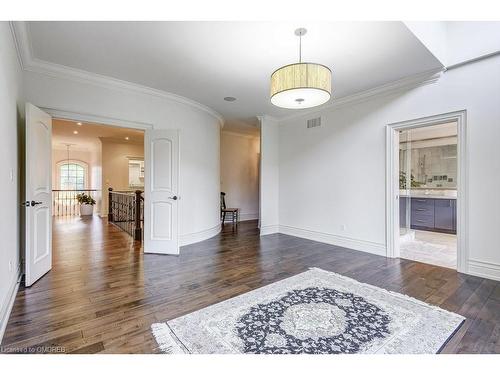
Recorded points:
(301,85)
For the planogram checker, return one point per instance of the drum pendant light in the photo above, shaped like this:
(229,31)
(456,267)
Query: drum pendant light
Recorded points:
(301,85)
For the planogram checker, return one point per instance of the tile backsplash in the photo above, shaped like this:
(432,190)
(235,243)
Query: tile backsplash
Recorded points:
(433,167)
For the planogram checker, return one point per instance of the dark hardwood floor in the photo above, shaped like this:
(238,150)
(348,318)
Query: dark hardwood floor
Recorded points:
(103,293)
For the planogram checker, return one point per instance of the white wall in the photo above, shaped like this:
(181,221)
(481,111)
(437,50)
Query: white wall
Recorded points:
(115,166)
(240,157)
(269,176)
(59,155)
(334,175)
(468,40)
(11,106)
(454,42)
(199,138)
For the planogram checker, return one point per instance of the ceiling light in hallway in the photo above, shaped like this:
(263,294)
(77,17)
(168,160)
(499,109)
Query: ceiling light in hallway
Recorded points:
(75,132)
(301,85)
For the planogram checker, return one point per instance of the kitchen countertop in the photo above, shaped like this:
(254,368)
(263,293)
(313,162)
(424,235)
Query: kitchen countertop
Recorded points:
(431,194)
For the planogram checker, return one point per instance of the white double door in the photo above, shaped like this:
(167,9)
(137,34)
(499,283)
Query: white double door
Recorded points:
(161,208)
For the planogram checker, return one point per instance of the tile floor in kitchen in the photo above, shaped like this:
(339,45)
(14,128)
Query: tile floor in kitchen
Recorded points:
(431,247)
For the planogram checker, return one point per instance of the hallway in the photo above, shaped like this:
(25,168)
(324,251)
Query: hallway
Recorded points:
(103,293)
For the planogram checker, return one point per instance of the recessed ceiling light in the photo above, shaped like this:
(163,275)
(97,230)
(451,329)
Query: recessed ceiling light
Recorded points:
(126,138)
(79,123)
(229,98)
(75,132)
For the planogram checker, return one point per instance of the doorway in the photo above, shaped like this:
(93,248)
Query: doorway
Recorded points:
(161,186)
(240,174)
(97,174)
(426,199)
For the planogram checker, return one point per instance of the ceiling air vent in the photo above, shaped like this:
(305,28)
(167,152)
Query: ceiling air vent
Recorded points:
(314,122)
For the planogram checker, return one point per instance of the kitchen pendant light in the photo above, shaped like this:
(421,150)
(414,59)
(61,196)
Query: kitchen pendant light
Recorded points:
(301,85)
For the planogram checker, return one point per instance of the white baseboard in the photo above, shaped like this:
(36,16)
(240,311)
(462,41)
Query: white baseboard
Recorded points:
(9,303)
(243,216)
(269,229)
(484,269)
(248,216)
(332,239)
(190,238)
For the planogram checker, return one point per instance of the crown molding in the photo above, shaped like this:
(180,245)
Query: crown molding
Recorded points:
(407,83)
(30,63)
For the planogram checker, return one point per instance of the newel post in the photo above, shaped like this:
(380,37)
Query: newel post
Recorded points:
(110,205)
(138,230)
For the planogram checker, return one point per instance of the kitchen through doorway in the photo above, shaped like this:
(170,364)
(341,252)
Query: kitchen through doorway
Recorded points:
(428,193)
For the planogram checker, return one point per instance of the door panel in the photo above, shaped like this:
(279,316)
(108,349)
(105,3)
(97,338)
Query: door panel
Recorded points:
(161,192)
(161,213)
(38,193)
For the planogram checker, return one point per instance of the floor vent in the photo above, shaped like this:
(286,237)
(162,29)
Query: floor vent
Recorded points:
(314,122)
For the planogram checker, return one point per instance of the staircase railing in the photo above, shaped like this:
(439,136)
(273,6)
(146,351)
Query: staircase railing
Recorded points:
(64,202)
(126,211)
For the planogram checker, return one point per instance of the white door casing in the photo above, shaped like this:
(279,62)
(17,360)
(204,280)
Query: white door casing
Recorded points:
(161,188)
(38,203)
(392,183)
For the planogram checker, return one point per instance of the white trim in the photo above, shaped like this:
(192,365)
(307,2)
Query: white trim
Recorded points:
(190,238)
(484,269)
(392,193)
(473,60)
(103,120)
(9,303)
(243,217)
(404,84)
(30,63)
(333,239)
(269,229)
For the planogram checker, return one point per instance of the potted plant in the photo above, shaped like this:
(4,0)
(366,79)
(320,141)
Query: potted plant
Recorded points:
(86,204)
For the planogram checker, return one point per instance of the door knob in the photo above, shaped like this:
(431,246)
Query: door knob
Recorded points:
(33,203)
(174,197)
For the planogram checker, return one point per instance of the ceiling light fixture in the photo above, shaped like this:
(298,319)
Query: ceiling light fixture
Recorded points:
(127,138)
(75,132)
(229,98)
(301,85)
(79,123)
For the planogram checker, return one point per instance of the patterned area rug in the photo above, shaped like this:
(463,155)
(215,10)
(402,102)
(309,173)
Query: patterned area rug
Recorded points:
(314,312)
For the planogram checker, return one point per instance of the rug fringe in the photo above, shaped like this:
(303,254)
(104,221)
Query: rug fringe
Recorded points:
(167,341)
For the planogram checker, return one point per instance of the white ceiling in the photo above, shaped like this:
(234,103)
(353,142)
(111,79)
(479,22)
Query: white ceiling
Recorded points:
(88,137)
(206,61)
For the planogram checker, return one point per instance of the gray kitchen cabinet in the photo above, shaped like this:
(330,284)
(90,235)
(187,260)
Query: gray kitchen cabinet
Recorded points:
(433,214)
(445,214)
(422,213)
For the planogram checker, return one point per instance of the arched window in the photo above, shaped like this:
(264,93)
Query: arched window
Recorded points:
(72,175)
